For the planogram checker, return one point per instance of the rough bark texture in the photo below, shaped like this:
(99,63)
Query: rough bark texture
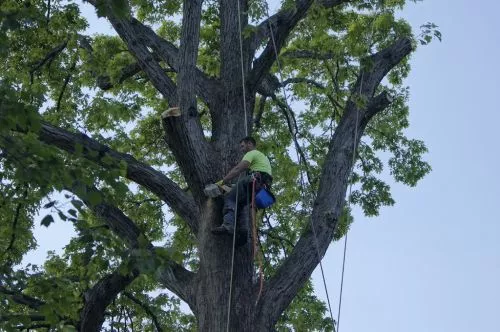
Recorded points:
(204,161)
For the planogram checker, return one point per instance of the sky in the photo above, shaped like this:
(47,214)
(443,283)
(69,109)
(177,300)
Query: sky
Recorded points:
(432,261)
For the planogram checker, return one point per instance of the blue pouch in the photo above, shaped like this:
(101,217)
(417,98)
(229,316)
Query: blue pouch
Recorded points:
(264,199)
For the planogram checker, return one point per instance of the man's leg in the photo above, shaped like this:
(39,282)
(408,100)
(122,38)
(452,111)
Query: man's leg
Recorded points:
(236,198)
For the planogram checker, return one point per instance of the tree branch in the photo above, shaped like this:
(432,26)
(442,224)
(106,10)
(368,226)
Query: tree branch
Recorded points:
(375,67)
(161,81)
(20,298)
(378,104)
(49,57)
(307,54)
(184,134)
(34,317)
(146,308)
(104,81)
(175,277)
(138,35)
(143,174)
(65,84)
(260,112)
(295,80)
(281,24)
(327,208)
(100,296)
(206,88)
(117,221)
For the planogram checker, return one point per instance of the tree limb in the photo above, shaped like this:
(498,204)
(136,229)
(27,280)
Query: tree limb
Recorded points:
(260,112)
(49,57)
(161,81)
(327,208)
(375,67)
(20,298)
(104,81)
(281,24)
(184,134)
(294,80)
(175,277)
(100,296)
(65,84)
(34,317)
(143,174)
(307,54)
(146,308)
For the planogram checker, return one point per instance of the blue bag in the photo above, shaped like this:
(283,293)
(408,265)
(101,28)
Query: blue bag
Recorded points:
(264,199)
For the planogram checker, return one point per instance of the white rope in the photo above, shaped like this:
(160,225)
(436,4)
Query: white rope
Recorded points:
(350,186)
(243,81)
(242,70)
(232,257)
(278,63)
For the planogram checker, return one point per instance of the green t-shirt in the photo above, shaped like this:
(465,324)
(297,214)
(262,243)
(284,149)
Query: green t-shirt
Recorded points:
(258,161)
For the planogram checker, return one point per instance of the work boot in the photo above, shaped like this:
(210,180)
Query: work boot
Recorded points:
(225,228)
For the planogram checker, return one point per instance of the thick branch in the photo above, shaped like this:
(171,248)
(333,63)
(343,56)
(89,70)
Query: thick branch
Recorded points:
(184,134)
(161,81)
(117,221)
(206,88)
(167,51)
(297,268)
(22,299)
(143,174)
(175,277)
(295,80)
(378,65)
(378,104)
(100,296)
(281,25)
(104,82)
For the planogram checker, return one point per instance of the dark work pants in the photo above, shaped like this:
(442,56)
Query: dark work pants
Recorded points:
(239,196)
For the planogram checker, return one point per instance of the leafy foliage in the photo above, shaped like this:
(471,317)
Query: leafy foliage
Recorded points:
(51,71)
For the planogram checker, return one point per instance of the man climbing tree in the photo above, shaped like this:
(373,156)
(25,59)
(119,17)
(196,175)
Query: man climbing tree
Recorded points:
(80,143)
(257,168)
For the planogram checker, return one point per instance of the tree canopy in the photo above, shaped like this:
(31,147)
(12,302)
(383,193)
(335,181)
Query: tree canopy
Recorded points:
(82,141)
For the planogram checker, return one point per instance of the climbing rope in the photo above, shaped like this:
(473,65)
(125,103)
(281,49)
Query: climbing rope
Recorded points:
(278,63)
(242,69)
(350,185)
(232,258)
(246,134)
(256,251)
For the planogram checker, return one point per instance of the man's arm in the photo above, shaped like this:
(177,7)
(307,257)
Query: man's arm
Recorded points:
(241,167)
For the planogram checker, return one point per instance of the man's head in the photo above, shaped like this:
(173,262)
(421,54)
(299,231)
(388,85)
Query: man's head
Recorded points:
(247,144)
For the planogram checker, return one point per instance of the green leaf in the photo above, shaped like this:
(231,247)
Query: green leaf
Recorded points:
(47,220)
(49,205)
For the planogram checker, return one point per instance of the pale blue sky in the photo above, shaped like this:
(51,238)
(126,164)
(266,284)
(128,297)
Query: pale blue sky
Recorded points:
(431,262)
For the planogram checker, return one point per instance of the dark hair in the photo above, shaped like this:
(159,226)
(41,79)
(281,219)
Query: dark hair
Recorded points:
(249,139)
